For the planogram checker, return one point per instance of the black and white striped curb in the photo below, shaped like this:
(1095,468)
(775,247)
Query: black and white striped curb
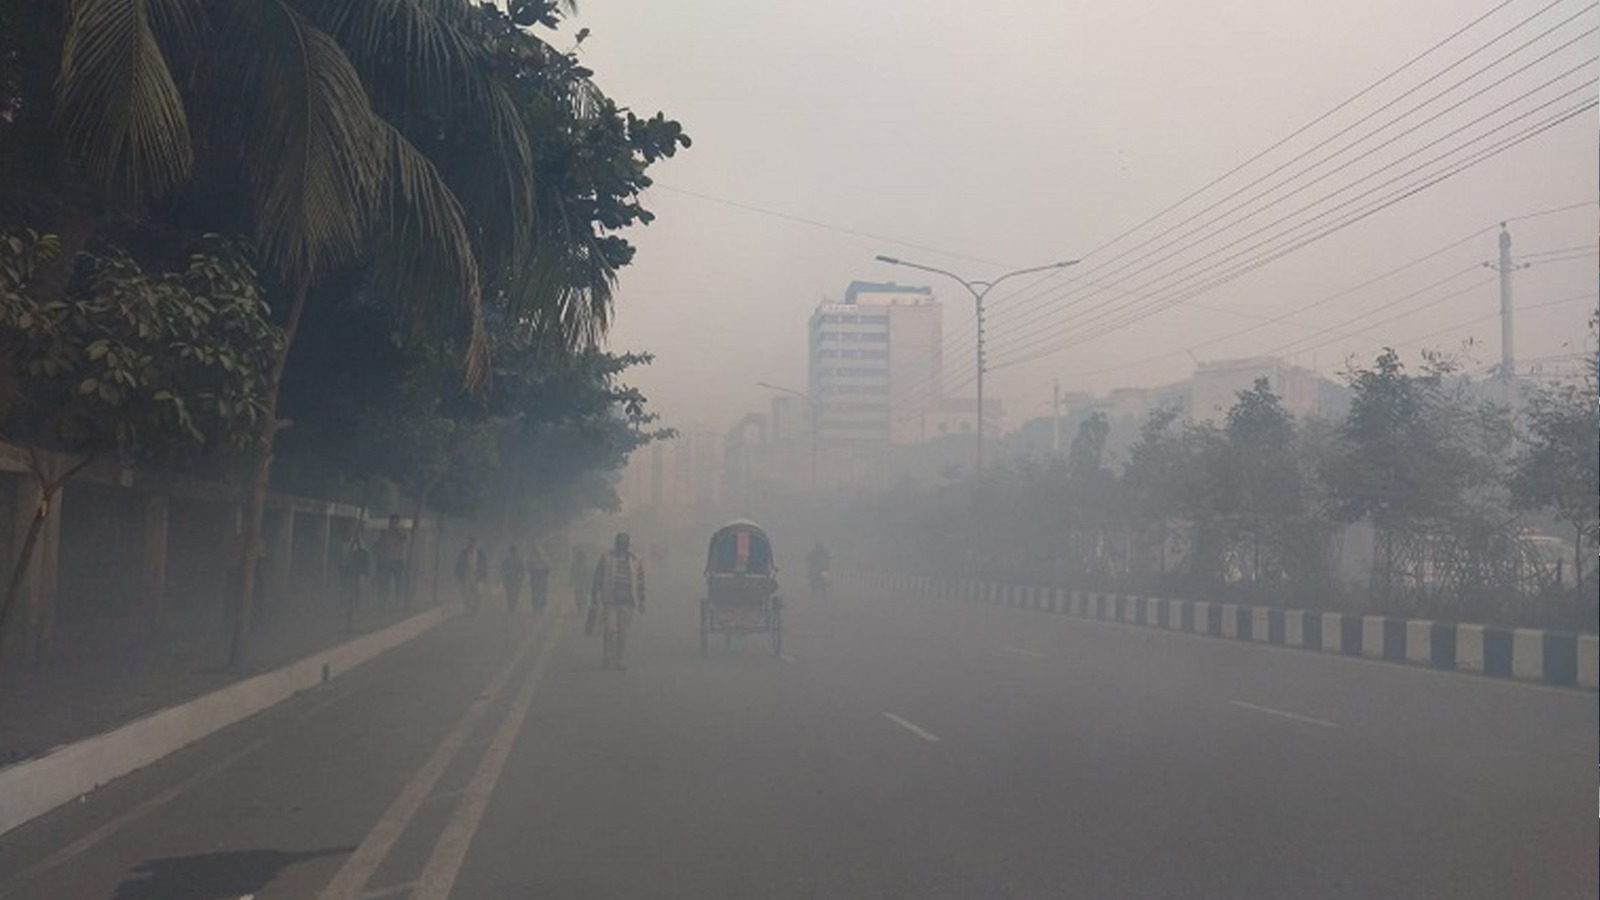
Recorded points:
(1524,654)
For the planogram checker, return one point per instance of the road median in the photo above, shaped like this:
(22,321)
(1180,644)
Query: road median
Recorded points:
(1532,655)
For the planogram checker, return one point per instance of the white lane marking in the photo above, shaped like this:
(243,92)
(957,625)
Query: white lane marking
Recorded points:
(912,727)
(1285,715)
(786,658)
(352,877)
(439,876)
(128,818)
(1023,652)
(389,891)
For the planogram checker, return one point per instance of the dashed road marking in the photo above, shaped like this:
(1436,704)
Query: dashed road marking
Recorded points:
(390,891)
(1284,715)
(912,727)
(1023,652)
(786,658)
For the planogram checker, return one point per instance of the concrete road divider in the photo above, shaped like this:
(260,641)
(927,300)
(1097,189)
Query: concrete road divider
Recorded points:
(1419,642)
(34,787)
(1524,654)
(1587,650)
(1294,628)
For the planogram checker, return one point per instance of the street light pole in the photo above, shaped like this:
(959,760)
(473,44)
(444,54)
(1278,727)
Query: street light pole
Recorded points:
(979,290)
(811,413)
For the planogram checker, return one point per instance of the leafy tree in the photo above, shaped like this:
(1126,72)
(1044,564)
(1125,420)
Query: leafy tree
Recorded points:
(1091,501)
(409,141)
(1558,467)
(1263,474)
(1423,462)
(127,363)
(1207,503)
(571,424)
(1151,477)
(1395,465)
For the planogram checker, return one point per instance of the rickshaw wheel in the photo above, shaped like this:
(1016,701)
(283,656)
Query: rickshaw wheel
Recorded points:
(777,633)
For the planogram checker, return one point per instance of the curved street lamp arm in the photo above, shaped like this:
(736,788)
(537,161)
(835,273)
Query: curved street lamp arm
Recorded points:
(911,265)
(781,389)
(1029,271)
(973,286)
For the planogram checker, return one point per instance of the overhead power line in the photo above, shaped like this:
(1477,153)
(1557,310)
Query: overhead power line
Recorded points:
(1009,320)
(815,223)
(1295,243)
(1285,316)
(1096,268)
(1195,237)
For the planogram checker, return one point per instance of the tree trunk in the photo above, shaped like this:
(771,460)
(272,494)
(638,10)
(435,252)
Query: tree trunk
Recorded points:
(1255,552)
(406,588)
(438,544)
(24,558)
(1577,556)
(239,648)
(48,488)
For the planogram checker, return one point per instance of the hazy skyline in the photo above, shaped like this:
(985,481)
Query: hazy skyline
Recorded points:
(1025,132)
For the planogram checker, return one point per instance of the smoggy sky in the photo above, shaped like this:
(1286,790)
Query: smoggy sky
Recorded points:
(978,137)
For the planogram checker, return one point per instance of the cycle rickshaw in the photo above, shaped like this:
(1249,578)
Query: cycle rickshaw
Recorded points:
(742,594)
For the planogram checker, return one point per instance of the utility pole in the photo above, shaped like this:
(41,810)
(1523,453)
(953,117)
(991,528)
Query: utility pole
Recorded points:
(1508,352)
(978,290)
(1055,420)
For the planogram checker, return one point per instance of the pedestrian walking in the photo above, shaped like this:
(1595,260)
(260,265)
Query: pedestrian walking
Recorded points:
(472,574)
(512,572)
(538,578)
(355,565)
(391,553)
(616,594)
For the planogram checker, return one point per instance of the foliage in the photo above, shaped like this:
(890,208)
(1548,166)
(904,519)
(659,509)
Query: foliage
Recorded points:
(1399,462)
(1261,507)
(1423,463)
(126,362)
(540,449)
(130,361)
(1268,486)
(1558,467)
(443,149)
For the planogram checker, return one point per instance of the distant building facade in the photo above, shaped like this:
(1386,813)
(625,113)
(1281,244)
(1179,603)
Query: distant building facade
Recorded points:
(876,364)
(957,415)
(1215,387)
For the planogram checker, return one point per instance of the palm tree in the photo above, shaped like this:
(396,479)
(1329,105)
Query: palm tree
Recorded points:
(271,94)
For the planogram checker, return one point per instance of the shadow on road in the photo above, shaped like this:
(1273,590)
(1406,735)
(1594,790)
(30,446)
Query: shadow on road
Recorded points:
(213,876)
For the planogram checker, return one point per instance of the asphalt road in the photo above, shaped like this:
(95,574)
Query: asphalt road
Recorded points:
(902,748)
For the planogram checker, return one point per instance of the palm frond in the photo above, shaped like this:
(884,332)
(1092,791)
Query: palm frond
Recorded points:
(316,152)
(436,55)
(564,296)
(425,257)
(117,104)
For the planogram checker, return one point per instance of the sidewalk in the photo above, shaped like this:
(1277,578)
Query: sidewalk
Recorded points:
(105,682)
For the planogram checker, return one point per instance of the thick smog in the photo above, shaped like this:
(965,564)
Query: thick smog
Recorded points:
(530,449)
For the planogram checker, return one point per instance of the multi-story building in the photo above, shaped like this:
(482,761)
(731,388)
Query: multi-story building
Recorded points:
(1215,386)
(876,364)
(681,474)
